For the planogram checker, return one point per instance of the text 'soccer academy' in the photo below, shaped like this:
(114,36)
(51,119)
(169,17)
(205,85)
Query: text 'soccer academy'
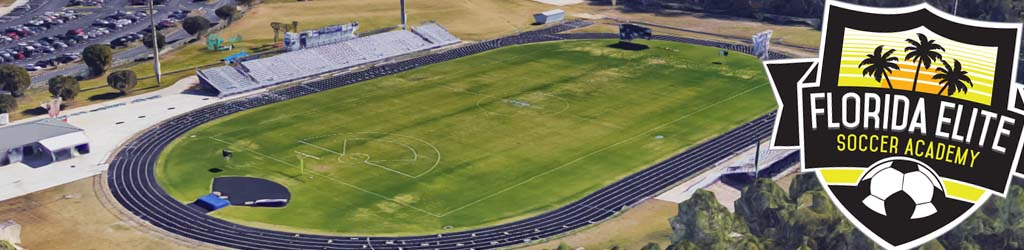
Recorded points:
(909,116)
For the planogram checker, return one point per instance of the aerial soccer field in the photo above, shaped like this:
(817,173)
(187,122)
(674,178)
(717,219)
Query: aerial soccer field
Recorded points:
(472,142)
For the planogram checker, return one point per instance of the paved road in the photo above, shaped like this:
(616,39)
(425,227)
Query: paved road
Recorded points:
(85,21)
(38,7)
(133,183)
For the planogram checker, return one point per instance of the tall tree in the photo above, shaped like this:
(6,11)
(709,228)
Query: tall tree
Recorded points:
(247,3)
(14,79)
(277,29)
(880,65)
(98,57)
(704,222)
(161,40)
(563,246)
(8,103)
(123,80)
(952,78)
(195,25)
(651,246)
(227,12)
(923,52)
(65,87)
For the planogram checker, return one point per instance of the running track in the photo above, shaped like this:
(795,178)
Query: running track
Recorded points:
(132,182)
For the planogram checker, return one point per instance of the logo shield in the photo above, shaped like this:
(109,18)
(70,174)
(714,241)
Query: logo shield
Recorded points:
(910,117)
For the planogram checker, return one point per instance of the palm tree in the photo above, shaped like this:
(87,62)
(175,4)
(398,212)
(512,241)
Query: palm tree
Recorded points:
(953,78)
(923,52)
(880,65)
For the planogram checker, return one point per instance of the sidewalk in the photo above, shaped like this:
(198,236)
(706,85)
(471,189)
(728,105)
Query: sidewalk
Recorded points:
(108,125)
(709,177)
(7,9)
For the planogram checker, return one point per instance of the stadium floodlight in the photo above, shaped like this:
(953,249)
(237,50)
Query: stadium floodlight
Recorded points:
(156,49)
(761,44)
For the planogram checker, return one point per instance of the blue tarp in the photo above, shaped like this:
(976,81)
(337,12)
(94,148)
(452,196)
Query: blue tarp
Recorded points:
(236,56)
(212,202)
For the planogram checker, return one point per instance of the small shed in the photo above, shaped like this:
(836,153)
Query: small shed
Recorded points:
(550,16)
(212,202)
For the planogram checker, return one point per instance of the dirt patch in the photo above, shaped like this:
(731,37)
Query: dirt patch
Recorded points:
(725,194)
(647,222)
(73,216)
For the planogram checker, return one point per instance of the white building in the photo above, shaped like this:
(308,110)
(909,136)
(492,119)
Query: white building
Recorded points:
(550,16)
(41,142)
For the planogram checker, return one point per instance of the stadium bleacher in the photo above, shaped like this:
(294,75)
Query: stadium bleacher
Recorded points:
(290,66)
(434,33)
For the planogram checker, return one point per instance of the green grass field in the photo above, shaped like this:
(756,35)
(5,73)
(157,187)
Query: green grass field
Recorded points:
(472,142)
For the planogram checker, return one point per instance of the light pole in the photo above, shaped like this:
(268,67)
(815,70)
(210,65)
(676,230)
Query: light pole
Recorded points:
(403,16)
(156,43)
(955,4)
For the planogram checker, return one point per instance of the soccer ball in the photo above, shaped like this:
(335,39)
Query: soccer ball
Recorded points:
(890,176)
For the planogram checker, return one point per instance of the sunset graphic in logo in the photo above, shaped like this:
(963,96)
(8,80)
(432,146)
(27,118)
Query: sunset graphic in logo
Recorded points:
(917,60)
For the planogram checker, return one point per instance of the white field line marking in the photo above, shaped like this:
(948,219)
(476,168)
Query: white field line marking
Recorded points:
(337,180)
(561,112)
(322,148)
(307,155)
(415,155)
(364,161)
(437,160)
(603,149)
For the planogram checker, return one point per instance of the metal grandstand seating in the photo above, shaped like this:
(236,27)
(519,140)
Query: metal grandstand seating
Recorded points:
(323,59)
(435,33)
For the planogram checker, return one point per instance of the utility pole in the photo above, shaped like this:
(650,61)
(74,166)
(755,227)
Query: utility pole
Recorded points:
(156,43)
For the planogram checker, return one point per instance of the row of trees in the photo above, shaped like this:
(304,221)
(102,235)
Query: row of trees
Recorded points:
(14,80)
(649,246)
(768,218)
(992,10)
(65,87)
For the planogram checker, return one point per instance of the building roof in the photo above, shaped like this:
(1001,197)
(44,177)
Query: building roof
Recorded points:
(553,12)
(30,132)
(65,141)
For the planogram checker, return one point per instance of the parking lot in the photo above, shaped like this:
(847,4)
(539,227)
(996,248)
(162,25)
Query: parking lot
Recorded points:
(55,32)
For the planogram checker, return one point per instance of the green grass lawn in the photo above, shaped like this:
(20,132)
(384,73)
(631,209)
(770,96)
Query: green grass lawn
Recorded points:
(473,142)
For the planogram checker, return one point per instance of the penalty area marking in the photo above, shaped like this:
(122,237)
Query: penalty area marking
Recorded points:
(367,161)
(437,160)
(353,186)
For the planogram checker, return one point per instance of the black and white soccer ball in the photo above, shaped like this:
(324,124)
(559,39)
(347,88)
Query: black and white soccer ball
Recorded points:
(893,175)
